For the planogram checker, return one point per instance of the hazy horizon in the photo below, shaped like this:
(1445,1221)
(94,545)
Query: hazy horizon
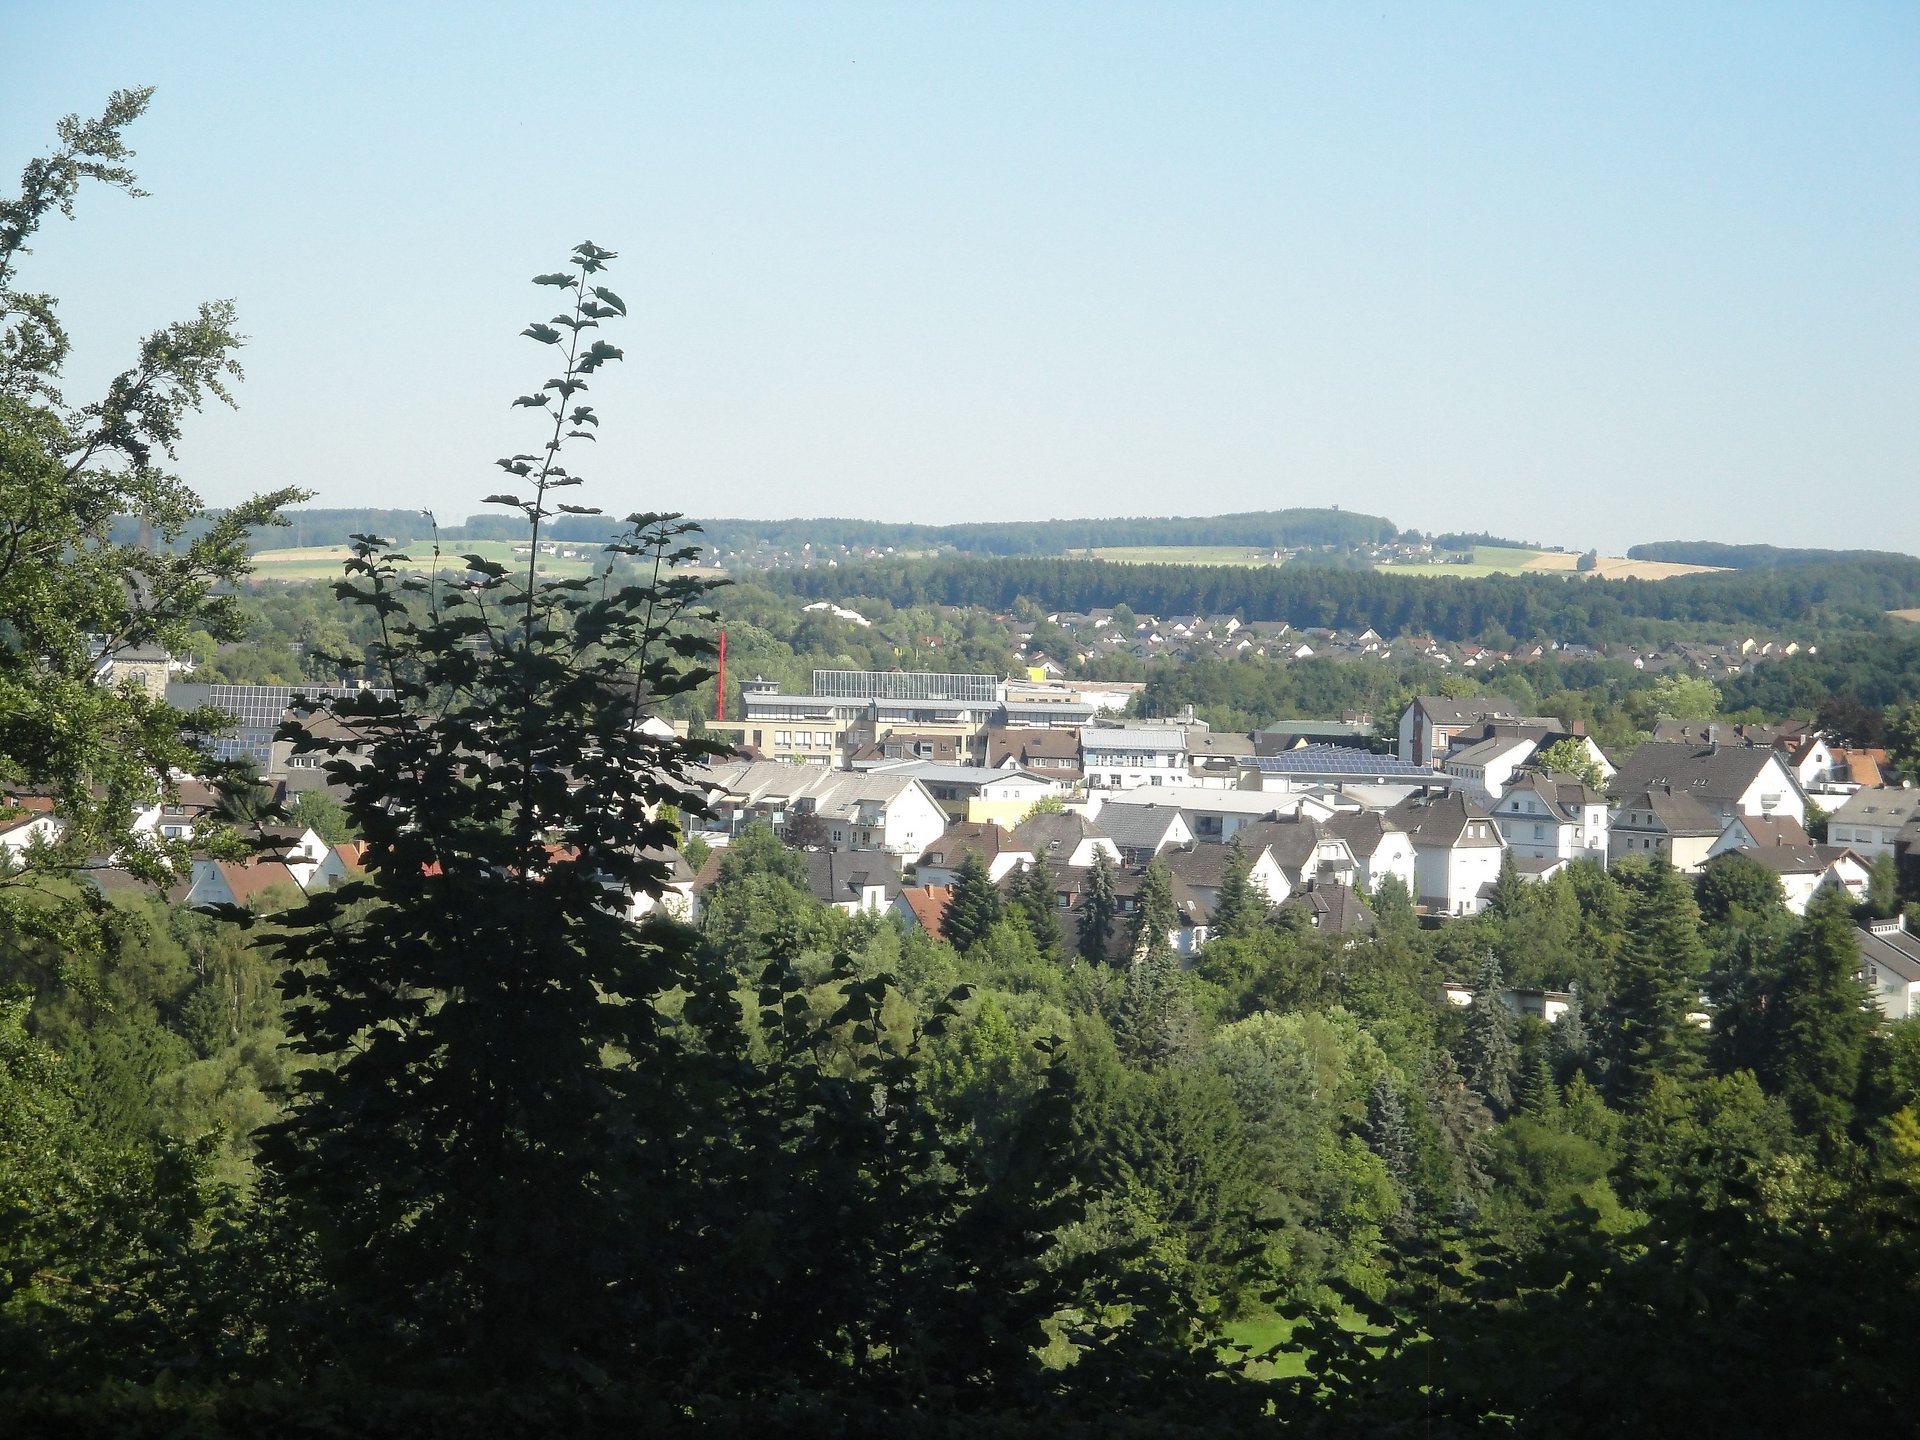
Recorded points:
(1587,276)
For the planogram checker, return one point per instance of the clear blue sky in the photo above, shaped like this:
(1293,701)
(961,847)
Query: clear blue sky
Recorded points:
(1587,274)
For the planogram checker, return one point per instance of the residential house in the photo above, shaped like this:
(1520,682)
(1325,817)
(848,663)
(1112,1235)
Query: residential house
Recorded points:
(1379,848)
(1052,753)
(1485,768)
(1068,839)
(858,882)
(1890,963)
(1143,831)
(872,810)
(24,825)
(1871,820)
(924,907)
(1303,851)
(239,883)
(1335,910)
(1727,780)
(994,844)
(1430,722)
(1200,868)
(1749,832)
(1546,816)
(1211,814)
(1457,851)
(1122,759)
(1805,870)
(1664,821)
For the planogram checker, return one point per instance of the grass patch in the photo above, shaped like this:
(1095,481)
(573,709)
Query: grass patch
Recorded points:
(1261,1333)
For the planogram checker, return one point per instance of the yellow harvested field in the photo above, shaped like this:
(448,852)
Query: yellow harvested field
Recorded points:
(1913,615)
(1611,567)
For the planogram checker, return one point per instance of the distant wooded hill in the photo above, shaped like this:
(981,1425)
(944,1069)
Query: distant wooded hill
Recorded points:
(1804,600)
(1751,557)
(1261,529)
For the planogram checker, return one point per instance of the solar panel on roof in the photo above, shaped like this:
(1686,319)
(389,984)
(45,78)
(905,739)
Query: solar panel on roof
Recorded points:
(1338,760)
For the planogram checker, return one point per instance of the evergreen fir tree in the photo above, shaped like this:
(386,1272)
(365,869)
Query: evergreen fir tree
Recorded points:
(1538,1094)
(1156,1023)
(1821,1020)
(1097,910)
(1657,981)
(1509,898)
(1034,902)
(975,905)
(1567,1040)
(1242,906)
(1489,1042)
(1154,914)
(1390,1137)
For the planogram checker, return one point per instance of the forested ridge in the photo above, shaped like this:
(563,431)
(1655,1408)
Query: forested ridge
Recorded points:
(1753,557)
(1851,595)
(484,1140)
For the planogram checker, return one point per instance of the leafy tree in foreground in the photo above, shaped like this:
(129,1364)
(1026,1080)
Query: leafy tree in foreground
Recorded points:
(75,593)
(501,1106)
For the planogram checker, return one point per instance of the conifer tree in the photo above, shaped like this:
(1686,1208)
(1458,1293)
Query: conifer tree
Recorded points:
(1567,1039)
(1388,1134)
(1036,904)
(1538,1094)
(1657,981)
(975,906)
(1509,898)
(1821,1020)
(1154,914)
(1156,1023)
(1097,910)
(1491,1050)
(1241,907)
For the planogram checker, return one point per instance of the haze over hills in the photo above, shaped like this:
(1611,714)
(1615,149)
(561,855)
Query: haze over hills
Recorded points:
(1294,528)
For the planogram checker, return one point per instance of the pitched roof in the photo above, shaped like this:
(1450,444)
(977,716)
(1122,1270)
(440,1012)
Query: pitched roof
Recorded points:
(969,837)
(1363,830)
(1038,743)
(838,877)
(1445,710)
(1292,841)
(1160,740)
(928,904)
(1444,821)
(1674,811)
(1880,805)
(1774,830)
(1139,827)
(1894,950)
(1714,774)
(1053,836)
(1336,910)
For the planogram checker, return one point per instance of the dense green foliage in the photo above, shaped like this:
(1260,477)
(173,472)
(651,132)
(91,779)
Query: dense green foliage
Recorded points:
(1751,557)
(1805,599)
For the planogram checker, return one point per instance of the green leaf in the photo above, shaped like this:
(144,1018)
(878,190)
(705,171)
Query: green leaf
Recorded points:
(545,334)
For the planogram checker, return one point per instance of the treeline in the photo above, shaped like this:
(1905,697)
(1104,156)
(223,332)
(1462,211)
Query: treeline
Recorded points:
(1752,557)
(1265,529)
(1802,600)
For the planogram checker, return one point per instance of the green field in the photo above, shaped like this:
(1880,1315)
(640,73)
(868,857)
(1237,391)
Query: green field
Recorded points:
(1487,560)
(322,562)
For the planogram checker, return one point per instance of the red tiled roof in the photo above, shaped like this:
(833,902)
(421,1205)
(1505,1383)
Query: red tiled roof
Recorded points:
(929,905)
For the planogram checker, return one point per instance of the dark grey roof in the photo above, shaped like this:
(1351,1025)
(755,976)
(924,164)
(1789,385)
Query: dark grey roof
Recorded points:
(1896,951)
(1363,830)
(1712,774)
(838,876)
(1052,836)
(1443,821)
(1138,827)
(1337,910)
(1291,840)
(1676,811)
